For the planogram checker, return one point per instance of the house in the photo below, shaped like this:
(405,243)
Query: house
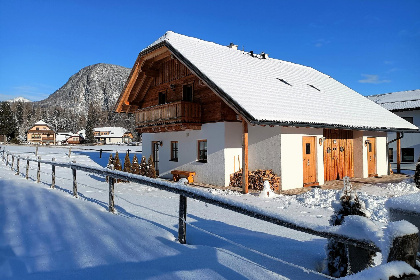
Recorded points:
(214,109)
(405,104)
(112,135)
(75,139)
(41,133)
(61,137)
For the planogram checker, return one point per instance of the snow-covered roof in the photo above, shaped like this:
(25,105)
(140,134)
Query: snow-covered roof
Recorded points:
(272,91)
(41,122)
(401,100)
(113,131)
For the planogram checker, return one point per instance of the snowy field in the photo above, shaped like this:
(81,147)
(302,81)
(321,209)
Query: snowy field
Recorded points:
(48,234)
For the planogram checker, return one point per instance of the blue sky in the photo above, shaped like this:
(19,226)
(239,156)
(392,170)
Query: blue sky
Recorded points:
(372,47)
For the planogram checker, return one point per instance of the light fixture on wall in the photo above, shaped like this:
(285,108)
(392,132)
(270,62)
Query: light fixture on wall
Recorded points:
(321,141)
(367,142)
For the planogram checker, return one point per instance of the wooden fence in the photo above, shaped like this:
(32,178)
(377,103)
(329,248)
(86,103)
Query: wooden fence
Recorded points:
(396,252)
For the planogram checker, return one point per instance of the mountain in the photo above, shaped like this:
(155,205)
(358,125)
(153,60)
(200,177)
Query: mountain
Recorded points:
(19,99)
(98,84)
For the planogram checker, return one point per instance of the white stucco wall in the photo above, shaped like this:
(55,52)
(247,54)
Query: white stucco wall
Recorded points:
(212,172)
(292,156)
(410,140)
(381,154)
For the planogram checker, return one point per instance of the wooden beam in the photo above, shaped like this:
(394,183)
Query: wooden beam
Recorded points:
(244,156)
(398,152)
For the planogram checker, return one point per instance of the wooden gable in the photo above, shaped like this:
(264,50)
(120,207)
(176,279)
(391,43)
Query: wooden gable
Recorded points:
(155,92)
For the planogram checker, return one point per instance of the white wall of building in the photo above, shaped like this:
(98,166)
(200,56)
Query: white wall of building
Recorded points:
(212,172)
(292,156)
(410,140)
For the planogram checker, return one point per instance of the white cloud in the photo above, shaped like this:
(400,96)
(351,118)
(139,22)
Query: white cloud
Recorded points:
(372,79)
(321,42)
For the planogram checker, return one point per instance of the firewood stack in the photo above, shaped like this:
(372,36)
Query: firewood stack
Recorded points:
(256,179)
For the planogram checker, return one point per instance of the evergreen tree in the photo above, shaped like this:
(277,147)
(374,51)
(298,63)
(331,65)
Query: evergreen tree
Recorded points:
(92,119)
(143,166)
(127,164)
(8,125)
(135,167)
(117,163)
(338,253)
(151,172)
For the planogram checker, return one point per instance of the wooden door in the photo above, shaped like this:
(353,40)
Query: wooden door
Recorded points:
(371,154)
(338,154)
(309,161)
(155,155)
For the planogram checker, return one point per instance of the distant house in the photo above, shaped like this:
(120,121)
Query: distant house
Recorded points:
(112,135)
(41,133)
(213,110)
(405,104)
(75,139)
(61,137)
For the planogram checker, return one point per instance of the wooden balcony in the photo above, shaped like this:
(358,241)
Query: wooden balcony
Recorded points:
(169,117)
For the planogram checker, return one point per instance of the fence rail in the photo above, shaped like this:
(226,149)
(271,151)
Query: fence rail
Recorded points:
(194,193)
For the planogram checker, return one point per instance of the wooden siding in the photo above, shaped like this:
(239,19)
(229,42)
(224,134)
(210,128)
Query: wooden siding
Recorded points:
(168,76)
(338,154)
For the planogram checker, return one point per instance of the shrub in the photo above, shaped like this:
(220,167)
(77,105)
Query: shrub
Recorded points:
(127,163)
(135,167)
(339,255)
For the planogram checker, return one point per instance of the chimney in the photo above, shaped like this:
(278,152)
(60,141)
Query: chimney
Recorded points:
(264,55)
(233,46)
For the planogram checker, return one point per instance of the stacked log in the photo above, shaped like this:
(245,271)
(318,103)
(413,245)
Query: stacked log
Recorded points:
(256,179)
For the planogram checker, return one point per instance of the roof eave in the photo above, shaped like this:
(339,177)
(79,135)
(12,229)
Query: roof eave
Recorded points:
(332,126)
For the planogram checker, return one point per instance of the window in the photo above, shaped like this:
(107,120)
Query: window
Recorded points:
(187,93)
(409,119)
(308,148)
(391,154)
(174,150)
(407,154)
(162,98)
(202,151)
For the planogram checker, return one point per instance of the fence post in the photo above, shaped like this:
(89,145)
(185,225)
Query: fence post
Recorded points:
(17,166)
(182,226)
(100,153)
(38,173)
(36,151)
(7,159)
(53,174)
(13,161)
(111,193)
(74,180)
(69,151)
(27,168)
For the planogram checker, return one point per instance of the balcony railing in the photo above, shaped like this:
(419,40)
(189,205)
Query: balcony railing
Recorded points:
(171,113)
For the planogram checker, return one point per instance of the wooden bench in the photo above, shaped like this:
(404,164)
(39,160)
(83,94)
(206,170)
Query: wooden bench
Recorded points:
(184,174)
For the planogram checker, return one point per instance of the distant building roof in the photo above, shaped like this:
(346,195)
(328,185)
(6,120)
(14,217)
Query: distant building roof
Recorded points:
(401,100)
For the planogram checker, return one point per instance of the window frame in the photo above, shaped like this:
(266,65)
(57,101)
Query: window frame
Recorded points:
(409,119)
(199,151)
(174,151)
(391,154)
(190,98)
(404,157)
(162,97)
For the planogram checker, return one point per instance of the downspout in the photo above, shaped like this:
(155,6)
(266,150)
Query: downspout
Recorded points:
(400,135)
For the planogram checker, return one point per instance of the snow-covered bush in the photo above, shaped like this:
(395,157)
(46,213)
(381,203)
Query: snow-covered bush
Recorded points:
(135,167)
(339,254)
(151,172)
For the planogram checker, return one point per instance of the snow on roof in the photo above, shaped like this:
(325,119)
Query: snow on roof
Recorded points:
(113,131)
(398,100)
(266,90)
(41,122)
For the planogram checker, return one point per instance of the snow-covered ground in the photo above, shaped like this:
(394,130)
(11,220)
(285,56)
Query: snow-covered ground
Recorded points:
(47,234)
